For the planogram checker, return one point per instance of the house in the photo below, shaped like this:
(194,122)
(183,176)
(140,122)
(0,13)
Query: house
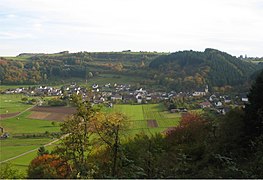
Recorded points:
(139,99)
(218,103)
(116,97)
(198,93)
(201,93)
(95,86)
(223,110)
(205,105)
(244,99)
(212,97)
(227,99)
(174,110)
(148,97)
(107,85)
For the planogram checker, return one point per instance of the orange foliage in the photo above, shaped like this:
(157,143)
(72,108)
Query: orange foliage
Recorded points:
(192,127)
(48,166)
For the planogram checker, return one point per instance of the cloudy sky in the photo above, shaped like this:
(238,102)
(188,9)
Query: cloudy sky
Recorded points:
(233,26)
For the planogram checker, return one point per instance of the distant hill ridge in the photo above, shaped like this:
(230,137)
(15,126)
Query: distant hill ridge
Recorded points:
(182,70)
(209,67)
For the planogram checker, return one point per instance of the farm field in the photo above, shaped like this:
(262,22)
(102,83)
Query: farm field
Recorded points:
(139,115)
(19,128)
(14,146)
(36,121)
(24,125)
(51,113)
(11,103)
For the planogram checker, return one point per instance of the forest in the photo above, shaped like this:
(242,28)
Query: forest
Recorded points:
(183,70)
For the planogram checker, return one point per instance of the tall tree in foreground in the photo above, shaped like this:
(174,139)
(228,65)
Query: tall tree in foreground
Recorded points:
(76,146)
(109,128)
(254,110)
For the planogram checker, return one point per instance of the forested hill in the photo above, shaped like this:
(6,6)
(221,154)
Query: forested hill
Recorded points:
(183,70)
(209,67)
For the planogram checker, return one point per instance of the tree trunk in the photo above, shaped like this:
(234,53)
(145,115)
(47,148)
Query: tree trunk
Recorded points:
(115,153)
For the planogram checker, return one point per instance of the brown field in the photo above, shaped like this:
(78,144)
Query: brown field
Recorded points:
(51,113)
(38,115)
(63,110)
(3,116)
(152,123)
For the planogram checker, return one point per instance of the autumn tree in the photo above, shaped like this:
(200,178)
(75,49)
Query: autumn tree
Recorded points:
(48,166)
(76,145)
(109,128)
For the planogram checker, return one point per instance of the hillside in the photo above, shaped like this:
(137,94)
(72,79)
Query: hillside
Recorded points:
(183,70)
(191,68)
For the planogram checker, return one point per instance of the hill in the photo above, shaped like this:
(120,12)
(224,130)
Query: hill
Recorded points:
(189,69)
(183,70)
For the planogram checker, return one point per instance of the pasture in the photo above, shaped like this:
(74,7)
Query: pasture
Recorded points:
(22,131)
(11,103)
(139,117)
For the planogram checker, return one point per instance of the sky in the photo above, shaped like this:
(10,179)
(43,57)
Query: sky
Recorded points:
(49,26)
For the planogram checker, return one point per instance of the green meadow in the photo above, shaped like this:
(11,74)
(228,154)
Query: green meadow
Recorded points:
(11,103)
(139,114)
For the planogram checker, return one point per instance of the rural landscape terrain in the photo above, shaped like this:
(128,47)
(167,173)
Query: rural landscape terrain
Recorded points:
(131,115)
(131,89)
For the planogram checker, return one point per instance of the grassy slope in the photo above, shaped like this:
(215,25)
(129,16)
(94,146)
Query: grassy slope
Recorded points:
(12,103)
(22,124)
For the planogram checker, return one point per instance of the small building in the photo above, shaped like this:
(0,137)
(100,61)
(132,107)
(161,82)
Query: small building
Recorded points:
(227,99)
(139,99)
(205,104)
(218,103)
(95,86)
(244,99)
(174,110)
(198,94)
(116,97)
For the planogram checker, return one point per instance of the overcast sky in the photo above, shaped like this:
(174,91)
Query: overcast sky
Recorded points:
(233,26)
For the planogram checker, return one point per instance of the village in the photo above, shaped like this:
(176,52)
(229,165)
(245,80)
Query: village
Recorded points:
(110,94)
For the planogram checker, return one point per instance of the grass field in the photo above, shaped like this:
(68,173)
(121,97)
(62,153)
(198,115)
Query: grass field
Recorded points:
(12,103)
(15,146)
(19,126)
(139,114)
(24,125)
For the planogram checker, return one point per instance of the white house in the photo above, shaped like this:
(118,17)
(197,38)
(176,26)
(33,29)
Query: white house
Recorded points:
(218,103)
(116,97)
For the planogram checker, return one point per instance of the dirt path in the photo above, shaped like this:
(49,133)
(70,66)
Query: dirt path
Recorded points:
(48,144)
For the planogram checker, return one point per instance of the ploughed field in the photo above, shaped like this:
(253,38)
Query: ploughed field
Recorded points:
(51,113)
